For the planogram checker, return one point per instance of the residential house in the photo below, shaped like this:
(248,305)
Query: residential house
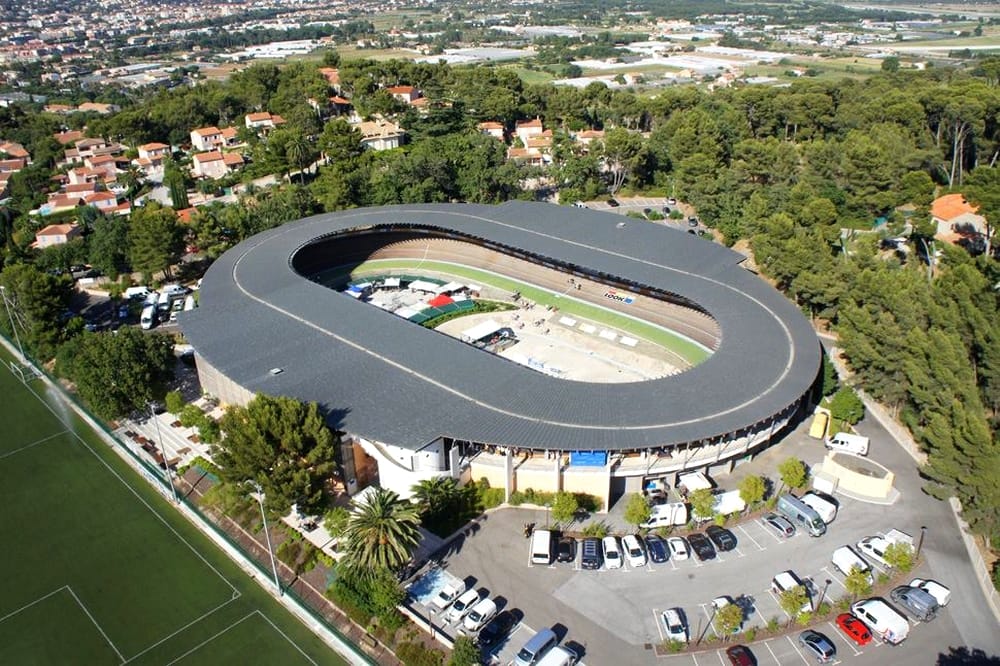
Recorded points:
(15,150)
(106,202)
(85,175)
(56,234)
(541,143)
(229,137)
(526,129)
(340,105)
(953,215)
(13,165)
(332,76)
(493,129)
(263,121)
(380,134)
(58,108)
(95,107)
(153,151)
(405,94)
(66,138)
(105,164)
(206,138)
(587,137)
(525,156)
(215,164)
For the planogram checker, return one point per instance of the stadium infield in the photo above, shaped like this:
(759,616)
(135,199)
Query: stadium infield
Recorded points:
(687,349)
(100,569)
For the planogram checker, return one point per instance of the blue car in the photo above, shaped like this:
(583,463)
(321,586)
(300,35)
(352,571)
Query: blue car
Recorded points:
(656,548)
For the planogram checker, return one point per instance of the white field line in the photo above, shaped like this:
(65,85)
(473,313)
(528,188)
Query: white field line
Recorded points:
(32,603)
(186,626)
(132,490)
(285,636)
(213,637)
(35,443)
(99,627)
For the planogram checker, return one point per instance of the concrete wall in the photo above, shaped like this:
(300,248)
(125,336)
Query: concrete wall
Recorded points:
(596,482)
(856,483)
(492,473)
(219,385)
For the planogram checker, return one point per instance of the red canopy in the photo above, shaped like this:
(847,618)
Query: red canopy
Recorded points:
(440,301)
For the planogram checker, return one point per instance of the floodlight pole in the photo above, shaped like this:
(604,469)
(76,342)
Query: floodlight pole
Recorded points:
(13,328)
(163,452)
(267,537)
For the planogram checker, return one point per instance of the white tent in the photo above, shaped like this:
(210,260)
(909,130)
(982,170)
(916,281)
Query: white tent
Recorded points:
(390,282)
(481,330)
(694,481)
(423,285)
(450,287)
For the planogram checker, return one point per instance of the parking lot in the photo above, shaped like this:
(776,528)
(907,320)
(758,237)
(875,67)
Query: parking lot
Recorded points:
(613,615)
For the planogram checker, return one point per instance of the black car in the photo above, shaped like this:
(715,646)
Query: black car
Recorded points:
(702,547)
(723,539)
(566,550)
(591,555)
(496,630)
(656,548)
(613,203)
(692,221)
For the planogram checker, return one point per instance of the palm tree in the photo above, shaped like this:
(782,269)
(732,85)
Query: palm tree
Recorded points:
(381,533)
(435,495)
(298,151)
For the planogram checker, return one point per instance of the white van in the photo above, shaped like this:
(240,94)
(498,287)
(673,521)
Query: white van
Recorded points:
(848,443)
(827,510)
(541,547)
(560,655)
(787,580)
(845,559)
(148,318)
(480,614)
(883,621)
(136,292)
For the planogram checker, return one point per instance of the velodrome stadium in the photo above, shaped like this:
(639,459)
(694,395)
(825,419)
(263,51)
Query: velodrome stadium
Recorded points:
(538,346)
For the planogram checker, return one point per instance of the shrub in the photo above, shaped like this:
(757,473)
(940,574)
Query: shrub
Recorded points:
(702,503)
(599,530)
(335,521)
(415,654)
(750,634)
(588,503)
(517,498)
(883,578)
(845,405)
(996,574)
(793,473)
(720,520)
(773,625)
(209,431)
(191,416)
(900,556)
(637,509)
(804,618)
(465,653)
(564,506)
(752,489)
(174,402)
(674,645)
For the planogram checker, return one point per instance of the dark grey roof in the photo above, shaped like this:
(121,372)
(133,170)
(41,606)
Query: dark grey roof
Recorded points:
(385,378)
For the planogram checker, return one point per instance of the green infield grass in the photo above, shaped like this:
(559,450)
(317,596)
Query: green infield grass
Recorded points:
(99,568)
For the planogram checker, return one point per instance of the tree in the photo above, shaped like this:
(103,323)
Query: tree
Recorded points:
(890,64)
(900,556)
(156,239)
(176,183)
(982,189)
(858,583)
(793,473)
(435,496)
(621,151)
(118,374)
(564,506)
(465,653)
(281,444)
(728,620)
(845,405)
(702,503)
(335,521)
(793,600)
(637,510)
(381,533)
(752,489)
(830,379)
(37,303)
(299,152)
(108,246)
(174,402)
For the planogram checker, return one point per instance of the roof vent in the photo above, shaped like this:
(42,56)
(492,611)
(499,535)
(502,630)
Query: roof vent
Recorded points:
(277,371)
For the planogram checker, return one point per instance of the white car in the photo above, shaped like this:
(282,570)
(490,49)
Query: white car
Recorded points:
(678,548)
(940,593)
(873,548)
(674,627)
(462,606)
(633,551)
(612,553)
(448,594)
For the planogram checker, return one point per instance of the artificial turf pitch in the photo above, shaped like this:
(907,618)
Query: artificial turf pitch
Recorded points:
(98,568)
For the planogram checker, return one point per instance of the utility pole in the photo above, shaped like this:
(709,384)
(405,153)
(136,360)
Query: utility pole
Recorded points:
(163,452)
(259,496)
(13,328)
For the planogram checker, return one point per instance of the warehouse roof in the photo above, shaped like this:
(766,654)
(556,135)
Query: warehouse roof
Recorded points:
(384,378)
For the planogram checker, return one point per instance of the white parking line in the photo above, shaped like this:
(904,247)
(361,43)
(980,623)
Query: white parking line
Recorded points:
(832,576)
(718,653)
(656,621)
(741,529)
(769,531)
(767,644)
(797,651)
(739,552)
(778,602)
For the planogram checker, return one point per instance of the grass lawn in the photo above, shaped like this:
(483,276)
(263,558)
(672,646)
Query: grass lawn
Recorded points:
(687,349)
(532,76)
(100,569)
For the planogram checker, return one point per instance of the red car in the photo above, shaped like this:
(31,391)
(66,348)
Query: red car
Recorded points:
(854,628)
(740,655)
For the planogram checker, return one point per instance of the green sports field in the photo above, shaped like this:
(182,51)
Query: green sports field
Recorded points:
(99,569)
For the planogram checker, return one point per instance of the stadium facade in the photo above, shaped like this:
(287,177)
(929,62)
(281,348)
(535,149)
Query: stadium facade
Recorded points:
(413,403)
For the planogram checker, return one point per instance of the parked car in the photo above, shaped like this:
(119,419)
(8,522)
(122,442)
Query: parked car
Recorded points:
(818,645)
(873,547)
(740,655)
(780,524)
(479,615)
(634,552)
(672,201)
(448,594)
(657,549)
(854,629)
(723,539)
(566,550)
(497,630)
(590,553)
(613,203)
(612,552)
(462,606)
(941,593)
(678,548)
(915,602)
(674,625)
(692,221)
(702,547)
